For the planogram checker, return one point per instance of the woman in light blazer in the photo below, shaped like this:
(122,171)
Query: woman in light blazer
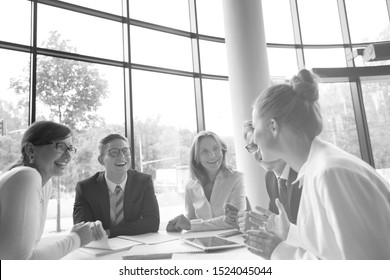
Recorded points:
(212,185)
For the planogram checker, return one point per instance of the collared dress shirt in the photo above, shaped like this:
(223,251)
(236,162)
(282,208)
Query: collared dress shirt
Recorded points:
(23,204)
(344,210)
(208,215)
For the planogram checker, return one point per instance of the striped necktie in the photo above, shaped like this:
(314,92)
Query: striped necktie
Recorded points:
(118,205)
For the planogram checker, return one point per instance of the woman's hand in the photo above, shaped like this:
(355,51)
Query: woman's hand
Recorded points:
(230,216)
(277,224)
(84,231)
(178,224)
(261,243)
(244,223)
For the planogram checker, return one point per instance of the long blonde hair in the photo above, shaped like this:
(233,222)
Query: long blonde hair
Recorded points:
(197,171)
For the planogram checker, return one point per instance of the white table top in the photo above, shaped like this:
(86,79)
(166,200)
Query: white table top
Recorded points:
(170,243)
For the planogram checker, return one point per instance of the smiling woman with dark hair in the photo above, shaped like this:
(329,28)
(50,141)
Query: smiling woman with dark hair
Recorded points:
(46,150)
(212,185)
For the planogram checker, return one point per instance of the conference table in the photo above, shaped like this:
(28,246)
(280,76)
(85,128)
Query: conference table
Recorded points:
(164,245)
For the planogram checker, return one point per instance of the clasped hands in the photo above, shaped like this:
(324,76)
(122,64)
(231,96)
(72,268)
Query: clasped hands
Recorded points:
(90,231)
(264,230)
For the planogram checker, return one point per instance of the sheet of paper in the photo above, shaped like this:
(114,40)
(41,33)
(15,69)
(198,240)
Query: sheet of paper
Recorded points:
(174,246)
(100,244)
(150,238)
(112,244)
(108,246)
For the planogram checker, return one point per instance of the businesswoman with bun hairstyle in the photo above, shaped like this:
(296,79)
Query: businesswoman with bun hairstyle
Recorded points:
(344,211)
(24,195)
(212,184)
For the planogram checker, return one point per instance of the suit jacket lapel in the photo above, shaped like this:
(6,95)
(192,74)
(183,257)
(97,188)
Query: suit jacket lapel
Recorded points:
(292,175)
(129,192)
(103,198)
(295,195)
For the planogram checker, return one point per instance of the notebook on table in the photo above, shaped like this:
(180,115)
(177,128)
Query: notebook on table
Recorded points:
(150,238)
(160,251)
(107,246)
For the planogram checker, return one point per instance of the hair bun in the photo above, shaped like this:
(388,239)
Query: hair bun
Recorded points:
(305,85)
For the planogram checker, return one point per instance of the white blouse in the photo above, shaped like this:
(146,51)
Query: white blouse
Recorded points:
(23,208)
(205,215)
(344,210)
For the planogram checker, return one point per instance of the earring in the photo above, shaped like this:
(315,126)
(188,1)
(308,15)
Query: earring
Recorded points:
(31,159)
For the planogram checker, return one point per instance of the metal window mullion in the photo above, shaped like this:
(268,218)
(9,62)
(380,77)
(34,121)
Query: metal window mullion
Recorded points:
(297,34)
(80,57)
(211,38)
(346,35)
(196,67)
(163,70)
(15,47)
(158,27)
(129,112)
(388,8)
(80,9)
(33,64)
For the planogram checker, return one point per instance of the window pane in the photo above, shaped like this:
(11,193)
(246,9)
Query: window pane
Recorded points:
(164,126)
(278,29)
(338,117)
(15,21)
(282,62)
(171,13)
(160,49)
(210,18)
(320,22)
(324,58)
(13,113)
(376,95)
(79,92)
(112,6)
(218,113)
(368,20)
(84,34)
(213,58)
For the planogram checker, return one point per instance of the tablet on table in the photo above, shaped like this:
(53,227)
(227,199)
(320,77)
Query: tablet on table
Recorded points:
(212,243)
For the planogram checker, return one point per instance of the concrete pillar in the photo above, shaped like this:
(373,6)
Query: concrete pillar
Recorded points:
(248,76)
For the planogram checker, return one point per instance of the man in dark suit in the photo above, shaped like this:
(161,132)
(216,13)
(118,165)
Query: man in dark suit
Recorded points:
(121,198)
(275,190)
(278,179)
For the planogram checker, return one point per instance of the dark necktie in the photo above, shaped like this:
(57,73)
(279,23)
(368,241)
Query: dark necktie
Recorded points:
(118,205)
(282,183)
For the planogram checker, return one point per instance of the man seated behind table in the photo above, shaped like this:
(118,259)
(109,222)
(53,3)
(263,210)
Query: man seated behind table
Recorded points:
(121,198)
(278,171)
